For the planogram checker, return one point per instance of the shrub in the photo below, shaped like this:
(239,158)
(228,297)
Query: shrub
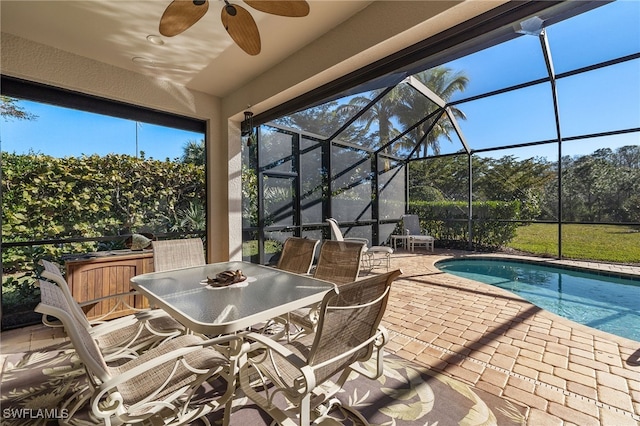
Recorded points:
(447,221)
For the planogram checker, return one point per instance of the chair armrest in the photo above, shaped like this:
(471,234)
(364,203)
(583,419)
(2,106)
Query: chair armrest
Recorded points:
(110,326)
(110,296)
(240,347)
(107,401)
(269,343)
(147,314)
(121,302)
(307,377)
(358,240)
(382,338)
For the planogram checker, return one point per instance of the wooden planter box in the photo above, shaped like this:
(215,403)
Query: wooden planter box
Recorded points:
(105,275)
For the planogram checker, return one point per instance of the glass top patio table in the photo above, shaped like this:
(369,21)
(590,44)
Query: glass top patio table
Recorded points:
(265,294)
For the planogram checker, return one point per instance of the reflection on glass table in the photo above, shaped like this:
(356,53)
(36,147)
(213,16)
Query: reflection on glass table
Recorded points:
(265,294)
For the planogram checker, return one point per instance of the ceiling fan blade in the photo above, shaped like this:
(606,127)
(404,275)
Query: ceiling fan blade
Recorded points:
(242,28)
(290,8)
(180,15)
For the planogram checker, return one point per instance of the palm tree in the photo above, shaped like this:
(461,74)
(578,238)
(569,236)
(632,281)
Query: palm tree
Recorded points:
(193,152)
(445,83)
(380,114)
(402,105)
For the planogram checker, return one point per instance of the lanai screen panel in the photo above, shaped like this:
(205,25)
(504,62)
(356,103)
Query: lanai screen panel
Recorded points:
(391,194)
(598,100)
(391,188)
(276,150)
(279,201)
(313,180)
(508,64)
(515,117)
(601,188)
(351,184)
(608,32)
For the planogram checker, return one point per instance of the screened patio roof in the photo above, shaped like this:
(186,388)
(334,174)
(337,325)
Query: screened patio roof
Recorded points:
(571,72)
(561,83)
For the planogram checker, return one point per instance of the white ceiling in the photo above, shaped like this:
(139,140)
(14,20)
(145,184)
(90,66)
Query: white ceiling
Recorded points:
(203,58)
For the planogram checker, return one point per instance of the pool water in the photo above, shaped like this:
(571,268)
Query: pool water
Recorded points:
(606,303)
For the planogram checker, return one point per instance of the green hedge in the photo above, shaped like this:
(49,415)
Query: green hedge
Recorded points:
(47,198)
(54,198)
(447,221)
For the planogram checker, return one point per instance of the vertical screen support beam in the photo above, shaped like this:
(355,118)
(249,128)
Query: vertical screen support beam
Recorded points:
(544,44)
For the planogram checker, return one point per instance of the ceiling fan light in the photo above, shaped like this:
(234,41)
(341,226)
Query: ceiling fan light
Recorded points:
(154,39)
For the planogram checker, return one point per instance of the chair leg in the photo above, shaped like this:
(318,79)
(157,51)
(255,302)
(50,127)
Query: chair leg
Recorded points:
(367,261)
(305,410)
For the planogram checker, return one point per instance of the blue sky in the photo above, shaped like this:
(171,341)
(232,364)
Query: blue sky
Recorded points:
(62,132)
(598,101)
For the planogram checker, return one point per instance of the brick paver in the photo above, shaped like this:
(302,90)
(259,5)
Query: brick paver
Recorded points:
(566,373)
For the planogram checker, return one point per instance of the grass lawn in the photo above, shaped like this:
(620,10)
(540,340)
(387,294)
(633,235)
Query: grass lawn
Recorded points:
(606,243)
(250,248)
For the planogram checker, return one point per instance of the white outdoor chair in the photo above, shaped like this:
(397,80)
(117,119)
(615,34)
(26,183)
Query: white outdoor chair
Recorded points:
(158,387)
(411,225)
(120,337)
(180,253)
(348,332)
(369,251)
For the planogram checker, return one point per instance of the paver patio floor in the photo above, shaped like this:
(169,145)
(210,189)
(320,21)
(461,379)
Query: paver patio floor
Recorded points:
(566,373)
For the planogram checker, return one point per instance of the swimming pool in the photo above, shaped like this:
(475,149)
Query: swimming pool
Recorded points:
(607,303)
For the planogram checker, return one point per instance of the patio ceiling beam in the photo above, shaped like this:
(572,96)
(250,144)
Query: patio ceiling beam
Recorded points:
(425,91)
(458,130)
(408,130)
(433,97)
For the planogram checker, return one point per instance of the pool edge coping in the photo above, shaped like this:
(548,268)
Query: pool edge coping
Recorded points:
(596,333)
(556,263)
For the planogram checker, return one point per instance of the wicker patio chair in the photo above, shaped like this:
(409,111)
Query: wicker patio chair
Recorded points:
(120,337)
(348,332)
(411,225)
(158,387)
(369,258)
(297,255)
(174,254)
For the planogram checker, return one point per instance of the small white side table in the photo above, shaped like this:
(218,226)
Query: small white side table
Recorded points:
(404,239)
(384,254)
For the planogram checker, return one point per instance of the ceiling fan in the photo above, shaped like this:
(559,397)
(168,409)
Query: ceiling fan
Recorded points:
(182,14)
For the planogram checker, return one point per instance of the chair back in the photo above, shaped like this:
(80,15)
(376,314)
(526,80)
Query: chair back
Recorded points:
(52,272)
(174,254)
(339,261)
(411,224)
(336,233)
(297,255)
(54,303)
(348,321)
